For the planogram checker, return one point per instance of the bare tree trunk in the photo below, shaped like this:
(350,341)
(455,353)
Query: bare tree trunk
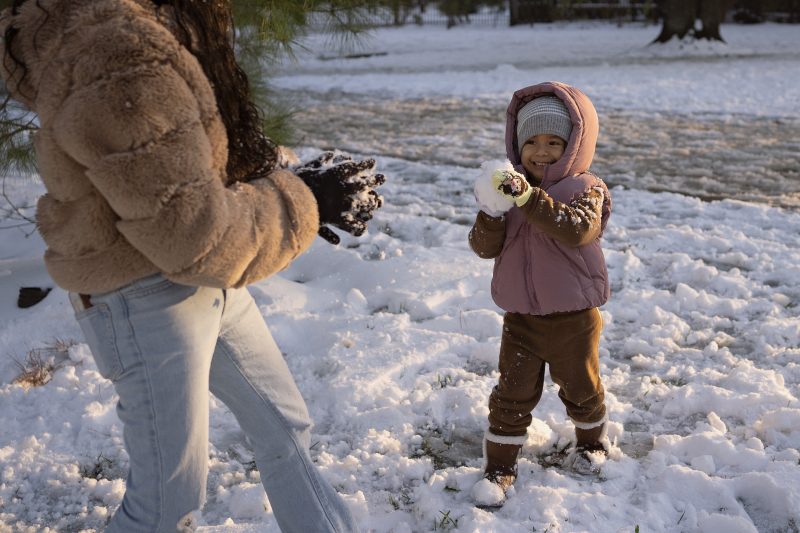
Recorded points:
(712,12)
(679,19)
(513,12)
(397,13)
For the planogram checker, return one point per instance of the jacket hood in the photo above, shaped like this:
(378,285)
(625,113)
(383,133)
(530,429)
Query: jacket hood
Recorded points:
(580,148)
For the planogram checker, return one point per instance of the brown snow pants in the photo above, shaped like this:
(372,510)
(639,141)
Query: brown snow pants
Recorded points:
(568,342)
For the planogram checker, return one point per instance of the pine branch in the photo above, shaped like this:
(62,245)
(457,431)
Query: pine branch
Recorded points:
(17,125)
(270,30)
(13,211)
(17,158)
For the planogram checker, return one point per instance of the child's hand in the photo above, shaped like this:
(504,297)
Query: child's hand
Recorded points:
(512,185)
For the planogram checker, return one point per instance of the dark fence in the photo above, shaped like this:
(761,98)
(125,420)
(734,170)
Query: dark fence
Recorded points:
(755,11)
(515,12)
(530,11)
(433,17)
(424,16)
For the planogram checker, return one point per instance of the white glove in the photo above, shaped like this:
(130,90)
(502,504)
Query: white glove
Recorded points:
(512,185)
(489,199)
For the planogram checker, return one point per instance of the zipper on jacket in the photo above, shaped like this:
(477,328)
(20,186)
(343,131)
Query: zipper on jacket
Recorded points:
(529,275)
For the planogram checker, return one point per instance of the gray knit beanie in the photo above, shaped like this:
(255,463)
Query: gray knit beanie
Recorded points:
(543,115)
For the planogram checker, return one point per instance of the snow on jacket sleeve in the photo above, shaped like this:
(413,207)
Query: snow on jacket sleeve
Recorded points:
(576,224)
(487,235)
(155,148)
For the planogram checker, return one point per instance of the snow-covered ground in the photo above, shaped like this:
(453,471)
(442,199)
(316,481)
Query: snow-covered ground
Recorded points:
(393,336)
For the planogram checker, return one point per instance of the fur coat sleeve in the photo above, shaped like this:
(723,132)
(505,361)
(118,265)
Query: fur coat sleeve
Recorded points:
(141,117)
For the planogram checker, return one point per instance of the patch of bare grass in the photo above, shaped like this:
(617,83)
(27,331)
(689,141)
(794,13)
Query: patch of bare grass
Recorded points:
(101,468)
(40,363)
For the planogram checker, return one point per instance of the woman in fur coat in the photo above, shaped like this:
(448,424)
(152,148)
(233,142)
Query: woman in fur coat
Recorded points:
(164,200)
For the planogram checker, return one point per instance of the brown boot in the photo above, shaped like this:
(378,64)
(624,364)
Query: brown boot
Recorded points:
(588,438)
(501,459)
(589,442)
(500,471)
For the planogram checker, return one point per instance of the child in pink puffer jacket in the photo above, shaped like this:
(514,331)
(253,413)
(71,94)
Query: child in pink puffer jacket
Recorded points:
(549,276)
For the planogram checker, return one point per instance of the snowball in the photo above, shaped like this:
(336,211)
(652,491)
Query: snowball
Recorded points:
(484,492)
(490,201)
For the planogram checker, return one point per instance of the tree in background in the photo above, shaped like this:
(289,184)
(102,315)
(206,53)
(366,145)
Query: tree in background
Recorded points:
(680,19)
(402,9)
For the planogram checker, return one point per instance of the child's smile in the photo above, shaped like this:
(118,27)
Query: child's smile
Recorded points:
(540,151)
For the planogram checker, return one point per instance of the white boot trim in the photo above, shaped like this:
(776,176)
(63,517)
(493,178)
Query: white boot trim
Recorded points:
(502,439)
(591,425)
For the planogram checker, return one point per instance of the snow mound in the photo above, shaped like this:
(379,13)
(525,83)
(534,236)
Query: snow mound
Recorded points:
(246,500)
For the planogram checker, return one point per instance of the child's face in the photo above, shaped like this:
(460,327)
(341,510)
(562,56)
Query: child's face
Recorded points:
(541,150)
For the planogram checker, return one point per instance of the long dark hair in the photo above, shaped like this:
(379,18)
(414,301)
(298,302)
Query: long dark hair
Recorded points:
(208,33)
(11,33)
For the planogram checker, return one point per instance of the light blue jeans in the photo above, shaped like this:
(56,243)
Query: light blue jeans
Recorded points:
(164,346)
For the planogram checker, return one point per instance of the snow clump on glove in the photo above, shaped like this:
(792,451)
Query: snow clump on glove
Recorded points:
(486,194)
(344,192)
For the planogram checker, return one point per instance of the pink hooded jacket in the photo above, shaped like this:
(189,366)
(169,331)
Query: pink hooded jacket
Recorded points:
(535,273)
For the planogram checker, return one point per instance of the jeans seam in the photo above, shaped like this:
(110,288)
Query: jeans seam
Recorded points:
(141,292)
(317,489)
(151,403)
(109,332)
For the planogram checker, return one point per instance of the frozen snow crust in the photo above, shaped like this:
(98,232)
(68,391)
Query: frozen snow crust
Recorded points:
(393,340)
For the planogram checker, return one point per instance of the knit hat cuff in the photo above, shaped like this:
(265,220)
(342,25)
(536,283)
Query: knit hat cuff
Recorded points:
(546,115)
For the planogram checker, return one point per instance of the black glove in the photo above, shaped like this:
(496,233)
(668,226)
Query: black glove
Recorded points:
(343,189)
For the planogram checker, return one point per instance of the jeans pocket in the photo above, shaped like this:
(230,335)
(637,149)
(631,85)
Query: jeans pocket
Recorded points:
(98,331)
(147,286)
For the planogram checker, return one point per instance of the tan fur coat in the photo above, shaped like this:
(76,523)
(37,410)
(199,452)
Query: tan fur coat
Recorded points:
(132,152)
